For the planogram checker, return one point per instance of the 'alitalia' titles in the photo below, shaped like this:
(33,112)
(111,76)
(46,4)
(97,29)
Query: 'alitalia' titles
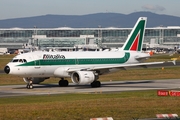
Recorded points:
(56,56)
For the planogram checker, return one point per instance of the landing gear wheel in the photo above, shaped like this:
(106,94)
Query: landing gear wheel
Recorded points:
(29,85)
(96,84)
(63,83)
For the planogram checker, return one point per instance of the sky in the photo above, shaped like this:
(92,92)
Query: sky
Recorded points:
(28,8)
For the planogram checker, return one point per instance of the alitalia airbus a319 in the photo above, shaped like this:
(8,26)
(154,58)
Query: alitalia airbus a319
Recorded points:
(83,67)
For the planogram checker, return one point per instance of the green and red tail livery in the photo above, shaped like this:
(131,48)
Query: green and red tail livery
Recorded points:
(134,41)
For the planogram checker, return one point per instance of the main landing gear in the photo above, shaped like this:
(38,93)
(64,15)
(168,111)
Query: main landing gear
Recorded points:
(96,84)
(63,83)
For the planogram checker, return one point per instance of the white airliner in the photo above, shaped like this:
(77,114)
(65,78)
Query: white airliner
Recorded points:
(82,67)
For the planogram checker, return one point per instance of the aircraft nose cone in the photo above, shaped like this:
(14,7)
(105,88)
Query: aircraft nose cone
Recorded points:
(7,69)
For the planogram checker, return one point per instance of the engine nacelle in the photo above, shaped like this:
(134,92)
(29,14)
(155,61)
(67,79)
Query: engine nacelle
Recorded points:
(34,80)
(82,77)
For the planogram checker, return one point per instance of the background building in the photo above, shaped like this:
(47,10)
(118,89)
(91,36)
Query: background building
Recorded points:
(69,38)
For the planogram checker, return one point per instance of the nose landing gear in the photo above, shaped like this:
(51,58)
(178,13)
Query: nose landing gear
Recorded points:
(29,85)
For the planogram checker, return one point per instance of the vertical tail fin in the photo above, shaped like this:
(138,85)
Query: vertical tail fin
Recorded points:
(134,41)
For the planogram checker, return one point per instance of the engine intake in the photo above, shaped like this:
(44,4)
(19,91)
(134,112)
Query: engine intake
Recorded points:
(82,77)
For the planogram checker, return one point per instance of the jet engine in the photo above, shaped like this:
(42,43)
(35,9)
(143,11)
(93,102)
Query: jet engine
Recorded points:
(34,80)
(82,77)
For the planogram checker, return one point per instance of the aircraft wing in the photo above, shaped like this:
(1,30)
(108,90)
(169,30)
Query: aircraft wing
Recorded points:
(100,67)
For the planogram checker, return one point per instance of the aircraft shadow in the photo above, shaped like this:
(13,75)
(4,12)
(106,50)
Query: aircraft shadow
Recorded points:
(105,85)
(115,84)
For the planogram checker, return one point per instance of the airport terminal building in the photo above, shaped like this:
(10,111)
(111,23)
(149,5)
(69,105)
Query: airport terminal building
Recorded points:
(66,38)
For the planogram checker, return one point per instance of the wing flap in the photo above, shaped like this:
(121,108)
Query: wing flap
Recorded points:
(122,66)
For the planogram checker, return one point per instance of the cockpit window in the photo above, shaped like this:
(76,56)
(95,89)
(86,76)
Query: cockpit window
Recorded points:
(19,60)
(15,60)
(24,60)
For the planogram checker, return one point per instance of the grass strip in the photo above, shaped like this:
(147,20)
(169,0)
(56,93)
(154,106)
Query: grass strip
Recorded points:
(120,106)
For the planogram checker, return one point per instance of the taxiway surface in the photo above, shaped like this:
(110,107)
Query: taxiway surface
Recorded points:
(112,86)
